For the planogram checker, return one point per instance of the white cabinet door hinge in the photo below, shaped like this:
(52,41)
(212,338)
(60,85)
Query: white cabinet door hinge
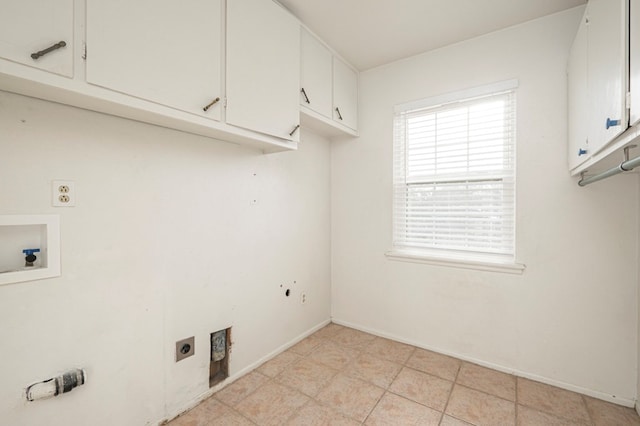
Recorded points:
(627,102)
(84,51)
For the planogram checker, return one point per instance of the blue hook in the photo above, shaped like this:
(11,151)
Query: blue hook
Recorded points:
(612,123)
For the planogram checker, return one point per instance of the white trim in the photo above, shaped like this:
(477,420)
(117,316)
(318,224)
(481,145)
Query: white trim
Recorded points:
(465,94)
(478,265)
(627,402)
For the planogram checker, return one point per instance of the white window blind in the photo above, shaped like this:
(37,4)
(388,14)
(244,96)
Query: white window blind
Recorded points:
(454,176)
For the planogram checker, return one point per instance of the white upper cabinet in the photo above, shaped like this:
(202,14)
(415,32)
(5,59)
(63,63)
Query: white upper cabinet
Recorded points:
(598,83)
(38,34)
(316,75)
(345,94)
(329,90)
(263,68)
(607,70)
(634,66)
(159,50)
(225,69)
(578,99)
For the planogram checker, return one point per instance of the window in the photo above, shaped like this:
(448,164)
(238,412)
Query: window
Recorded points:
(454,176)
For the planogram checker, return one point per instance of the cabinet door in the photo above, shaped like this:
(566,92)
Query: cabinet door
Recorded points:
(31,26)
(316,70)
(159,50)
(345,94)
(263,68)
(607,65)
(578,98)
(634,67)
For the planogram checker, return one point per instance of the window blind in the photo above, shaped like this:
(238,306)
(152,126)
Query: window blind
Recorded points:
(454,176)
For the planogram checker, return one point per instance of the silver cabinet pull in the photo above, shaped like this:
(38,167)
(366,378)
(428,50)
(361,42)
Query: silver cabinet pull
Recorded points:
(56,46)
(295,129)
(339,115)
(306,98)
(213,102)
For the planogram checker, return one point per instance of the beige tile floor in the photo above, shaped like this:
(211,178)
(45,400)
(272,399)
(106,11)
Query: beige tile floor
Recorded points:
(341,376)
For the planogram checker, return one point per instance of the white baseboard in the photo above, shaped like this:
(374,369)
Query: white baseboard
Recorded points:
(197,400)
(627,402)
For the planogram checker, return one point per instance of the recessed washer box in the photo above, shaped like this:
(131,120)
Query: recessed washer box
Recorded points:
(27,232)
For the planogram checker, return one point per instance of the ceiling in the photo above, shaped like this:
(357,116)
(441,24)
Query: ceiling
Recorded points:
(369,33)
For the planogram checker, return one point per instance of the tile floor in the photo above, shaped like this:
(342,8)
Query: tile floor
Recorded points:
(341,376)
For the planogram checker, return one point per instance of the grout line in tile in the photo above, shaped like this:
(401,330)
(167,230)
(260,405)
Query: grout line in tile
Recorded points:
(413,351)
(245,417)
(584,401)
(396,376)
(335,373)
(453,385)
(467,422)
(487,393)
(475,390)
(374,407)
(433,376)
(553,414)
(269,379)
(516,401)
(297,410)
(233,408)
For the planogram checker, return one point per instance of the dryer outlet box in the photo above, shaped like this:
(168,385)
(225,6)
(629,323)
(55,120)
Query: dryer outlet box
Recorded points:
(185,348)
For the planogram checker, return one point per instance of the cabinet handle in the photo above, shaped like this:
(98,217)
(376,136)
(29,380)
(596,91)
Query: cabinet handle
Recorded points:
(213,102)
(306,98)
(612,123)
(295,129)
(581,152)
(339,115)
(56,46)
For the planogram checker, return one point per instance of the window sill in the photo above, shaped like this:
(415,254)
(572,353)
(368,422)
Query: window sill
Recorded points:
(479,265)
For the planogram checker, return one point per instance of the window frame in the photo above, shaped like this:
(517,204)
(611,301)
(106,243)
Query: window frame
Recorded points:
(450,257)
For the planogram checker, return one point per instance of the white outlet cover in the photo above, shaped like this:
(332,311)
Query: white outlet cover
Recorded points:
(57,191)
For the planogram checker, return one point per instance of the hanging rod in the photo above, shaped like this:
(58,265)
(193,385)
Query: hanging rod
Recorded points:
(626,166)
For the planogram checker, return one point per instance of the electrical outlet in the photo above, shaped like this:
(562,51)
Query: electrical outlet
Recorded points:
(63,193)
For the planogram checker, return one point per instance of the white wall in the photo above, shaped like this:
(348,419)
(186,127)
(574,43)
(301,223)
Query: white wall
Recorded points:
(164,243)
(571,317)
(638,316)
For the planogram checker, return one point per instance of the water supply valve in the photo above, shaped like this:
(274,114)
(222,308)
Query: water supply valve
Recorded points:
(29,256)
